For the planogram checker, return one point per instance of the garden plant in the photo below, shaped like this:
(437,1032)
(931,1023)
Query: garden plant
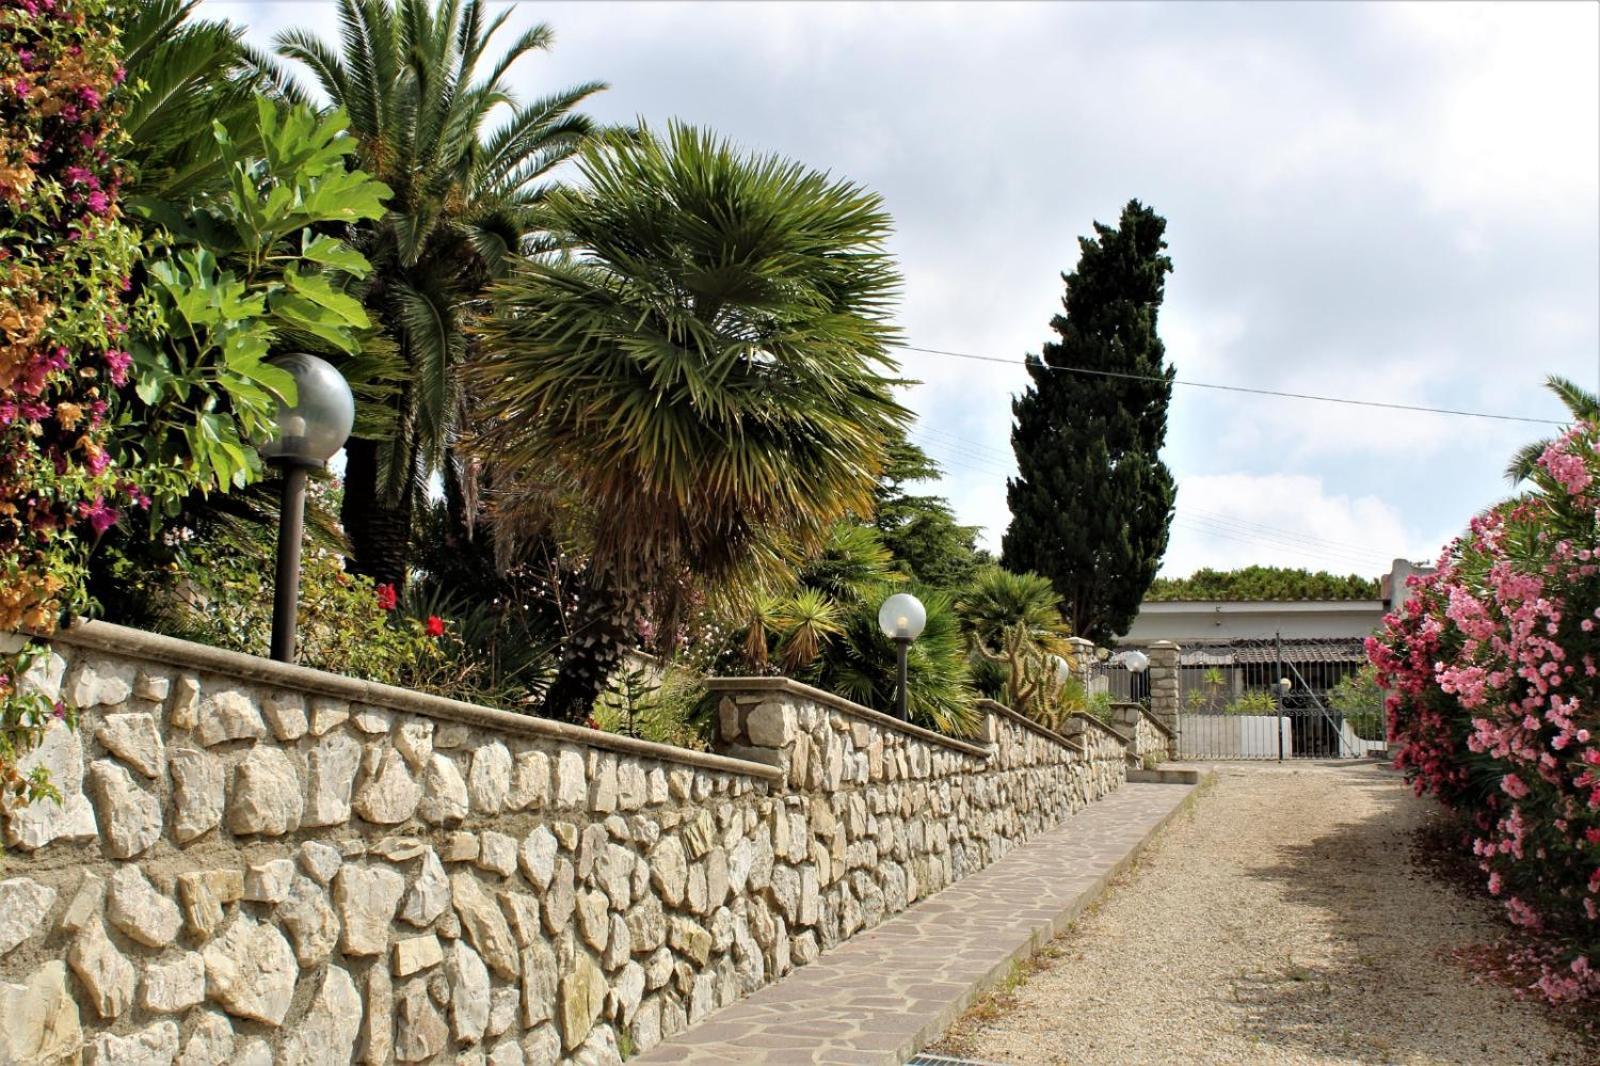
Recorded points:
(1493,670)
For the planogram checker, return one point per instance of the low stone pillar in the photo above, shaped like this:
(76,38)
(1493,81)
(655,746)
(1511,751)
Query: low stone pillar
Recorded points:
(1164,682)
(1126,717)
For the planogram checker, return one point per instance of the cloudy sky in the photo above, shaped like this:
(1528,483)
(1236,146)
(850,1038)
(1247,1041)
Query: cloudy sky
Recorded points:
(1373,201)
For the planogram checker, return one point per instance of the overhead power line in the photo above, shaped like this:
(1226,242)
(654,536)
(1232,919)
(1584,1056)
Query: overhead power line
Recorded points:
(1197,519)
(1371,564)
(1238,388)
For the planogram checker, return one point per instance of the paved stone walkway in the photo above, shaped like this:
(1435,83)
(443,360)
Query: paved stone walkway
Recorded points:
(882,995)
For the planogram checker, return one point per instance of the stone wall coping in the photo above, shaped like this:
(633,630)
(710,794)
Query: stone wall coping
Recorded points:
(1152,719)
(1098,724)
(1000,709)
(138,643)
(731,685)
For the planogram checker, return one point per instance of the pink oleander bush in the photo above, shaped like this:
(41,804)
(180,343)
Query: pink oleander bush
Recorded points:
(1492,672)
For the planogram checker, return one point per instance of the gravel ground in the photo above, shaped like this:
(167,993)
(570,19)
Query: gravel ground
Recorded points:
(1283,920)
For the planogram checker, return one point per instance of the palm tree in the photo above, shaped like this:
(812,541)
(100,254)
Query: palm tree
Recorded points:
(408,73)
(803,616)
(859,665)
(1014,622)
(1583,405)
(702,376)
(183,74)
(998,601)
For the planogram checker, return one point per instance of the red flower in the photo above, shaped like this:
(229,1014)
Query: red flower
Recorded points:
(435,626)
(387,597)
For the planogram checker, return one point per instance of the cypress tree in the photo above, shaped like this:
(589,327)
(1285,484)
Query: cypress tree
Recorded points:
(1092,500)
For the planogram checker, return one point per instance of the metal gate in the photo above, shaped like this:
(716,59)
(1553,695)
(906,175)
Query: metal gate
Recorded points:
(1278,699)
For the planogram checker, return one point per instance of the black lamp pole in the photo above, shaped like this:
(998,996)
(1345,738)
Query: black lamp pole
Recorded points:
(291,531)
(902,647)
(309,432)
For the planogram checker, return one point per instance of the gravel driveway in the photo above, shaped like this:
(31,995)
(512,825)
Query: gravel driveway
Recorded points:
(1282,920)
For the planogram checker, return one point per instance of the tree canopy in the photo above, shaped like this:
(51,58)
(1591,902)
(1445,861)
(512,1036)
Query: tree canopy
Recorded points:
(1092,500)
(1263,583)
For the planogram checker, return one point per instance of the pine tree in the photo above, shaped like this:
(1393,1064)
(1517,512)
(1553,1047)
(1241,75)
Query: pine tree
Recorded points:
(1092,500)
(928,544)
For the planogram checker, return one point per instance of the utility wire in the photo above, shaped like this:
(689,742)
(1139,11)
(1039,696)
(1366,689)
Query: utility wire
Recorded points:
(1327,554)
(1236,388)
(1213,521)
(973,457)
(1369,565)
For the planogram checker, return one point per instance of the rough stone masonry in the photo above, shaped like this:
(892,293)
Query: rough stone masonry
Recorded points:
(259,864)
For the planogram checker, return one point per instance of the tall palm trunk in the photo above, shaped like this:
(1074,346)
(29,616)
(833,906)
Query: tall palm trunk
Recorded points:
(379,529)
(601,632)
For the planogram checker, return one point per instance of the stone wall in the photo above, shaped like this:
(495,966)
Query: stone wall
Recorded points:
(1149,738)
(1102,742)
(881,813)
(260,864)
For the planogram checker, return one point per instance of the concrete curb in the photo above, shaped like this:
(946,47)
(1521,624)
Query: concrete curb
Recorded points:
(1165,777)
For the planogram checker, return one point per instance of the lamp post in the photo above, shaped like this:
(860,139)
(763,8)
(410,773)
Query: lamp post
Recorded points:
(308,434)
(1134,660)
(1280,692)
(901,618)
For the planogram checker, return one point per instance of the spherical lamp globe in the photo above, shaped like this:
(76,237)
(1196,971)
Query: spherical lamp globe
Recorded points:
(317,424)
(902,617)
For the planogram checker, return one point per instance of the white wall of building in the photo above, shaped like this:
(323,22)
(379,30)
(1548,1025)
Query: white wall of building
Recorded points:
(1227,620)
(1190,621)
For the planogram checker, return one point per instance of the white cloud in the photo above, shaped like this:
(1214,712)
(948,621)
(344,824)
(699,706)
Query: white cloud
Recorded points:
(1383,201)
(1236,519)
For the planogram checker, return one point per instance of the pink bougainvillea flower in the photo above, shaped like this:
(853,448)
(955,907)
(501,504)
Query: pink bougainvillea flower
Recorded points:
(101,516)
(387,597)
(118,361)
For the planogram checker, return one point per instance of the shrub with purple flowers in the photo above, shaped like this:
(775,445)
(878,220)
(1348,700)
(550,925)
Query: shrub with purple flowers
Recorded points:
(64,261)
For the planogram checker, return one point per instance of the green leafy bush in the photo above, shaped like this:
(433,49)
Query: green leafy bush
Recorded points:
(1359,699)
(658,705)
(233,278)
(217,587)
(1256,701)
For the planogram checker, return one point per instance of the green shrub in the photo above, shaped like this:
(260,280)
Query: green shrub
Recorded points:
(1359,699)
(217,589)
(656,705)
(1257,701)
